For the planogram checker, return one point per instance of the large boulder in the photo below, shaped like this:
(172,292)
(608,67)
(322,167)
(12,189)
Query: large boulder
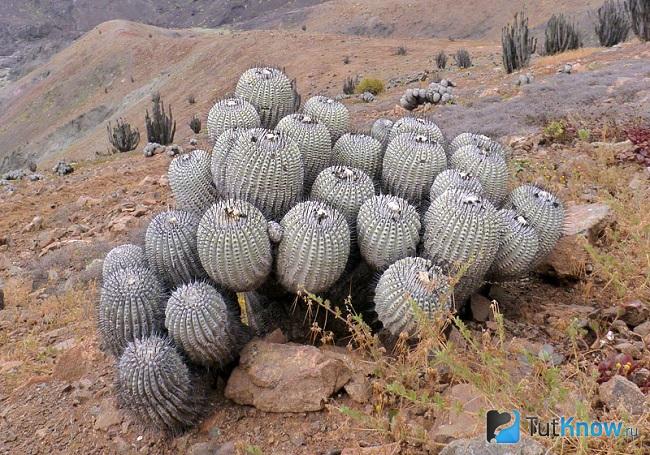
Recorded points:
(479,446)
(285,377)
(620,393)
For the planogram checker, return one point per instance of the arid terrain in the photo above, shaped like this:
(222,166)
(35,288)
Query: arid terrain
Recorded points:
(545,346)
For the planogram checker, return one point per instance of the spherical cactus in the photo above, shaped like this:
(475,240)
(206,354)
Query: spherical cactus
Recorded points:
(462,232)
(419,126)
(270,91)
(121,257)
(170,247)
(205,324)
(233,245)
(490,168)
(381,130)
(231,113)
(455,179)
(408,282)
(222,147)
(543,210)
(482,142)
(345,189)
(360,151)
(411,163)
(131,306)
(388,229)
(265,168)
(314,248)
(517,249)
(155,384)
(313,140)
(190,180)
(329,112)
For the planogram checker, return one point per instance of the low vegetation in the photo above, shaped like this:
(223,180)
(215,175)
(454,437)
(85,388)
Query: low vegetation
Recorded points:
(463,59)
(350,84)
(122,137)
(195,124)
(370,84)
(401,50)
(441,60)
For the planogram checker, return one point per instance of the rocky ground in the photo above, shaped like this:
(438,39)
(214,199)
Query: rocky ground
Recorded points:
(571,339)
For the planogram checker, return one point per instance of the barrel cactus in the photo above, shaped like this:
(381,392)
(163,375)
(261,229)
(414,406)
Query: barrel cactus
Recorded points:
(233,245)
(345,189)
(231,113)
(517,249)
(155,384)
(222,147)
(411,163)
(270,91)
(462,232)
(314,248)
(265,168)
(360,151)
(452,178)
(313,140)
(381,130)
(170,247)
(419,126)
(190,180)
(131,307)
(489,167)
(205,324)
(331,113)
(543,210)
(388,229)
(479,140)
(123,256)
(409,282)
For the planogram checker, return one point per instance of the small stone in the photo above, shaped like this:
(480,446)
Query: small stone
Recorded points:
(9,366)
(389,449)
(148,180)
(548,353)
(479,446)
(359,388)
(62,168)
(481,310)
(193,141)
(121,446)
(642,329)
(32,167)
(65,345)
(41,433)
(641,377)
(163,180)
(202,448)
(35,225)
(461,419)
(107,416)
(619,392)
(227,448)
(629,349)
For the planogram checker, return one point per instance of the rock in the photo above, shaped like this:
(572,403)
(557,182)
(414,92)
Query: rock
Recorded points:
(389,449)
(107,417)
(193,141)
(641,377)
(16,174)
(163,180)
(202,448)
(41,433)
(35,225)
(548,353)
(359,388)
(584,224)
(9,366)
(629,349)
(642,329)
(151,149)
(634,312)
(32,167)
(481,310)
(462,417)
(227,448)
(285,377)
(65,345)
(566,69)
(62,168)
(173,150)
(148,180)
(479,446)
(35,177)
(619,392)
(367,97)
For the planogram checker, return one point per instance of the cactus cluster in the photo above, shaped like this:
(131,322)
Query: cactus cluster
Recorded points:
(436,93)
(288,203)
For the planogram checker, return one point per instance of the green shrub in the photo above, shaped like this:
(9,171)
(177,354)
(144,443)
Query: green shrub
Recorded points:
(370,84)
(584,134)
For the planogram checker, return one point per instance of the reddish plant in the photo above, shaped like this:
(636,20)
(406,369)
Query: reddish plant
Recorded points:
(639,136)
(621,364)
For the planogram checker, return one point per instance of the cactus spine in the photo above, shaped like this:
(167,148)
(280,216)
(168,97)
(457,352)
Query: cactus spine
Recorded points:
(231,113)
(329,112)
(191,181)
(452,178)
(122,257)
(270,91)
(359,151)
(489,167)
(518,247)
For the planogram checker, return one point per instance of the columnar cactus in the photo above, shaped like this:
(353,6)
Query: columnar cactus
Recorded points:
(205,324)
(265,168)
(122,257)
(517,249)
(170,247)
(231,113)
(411,163)
(190,180)
(360,151)
(270,91)
(489,167)
(131,307)
(479,140)
(314,248)
(462,231)
(381,130)
(410,282)
(452,178)
(155,384)
(313,140)
(543,210)
(329,112)
(388,229)
(419,126)
(233,245)
(345,189)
